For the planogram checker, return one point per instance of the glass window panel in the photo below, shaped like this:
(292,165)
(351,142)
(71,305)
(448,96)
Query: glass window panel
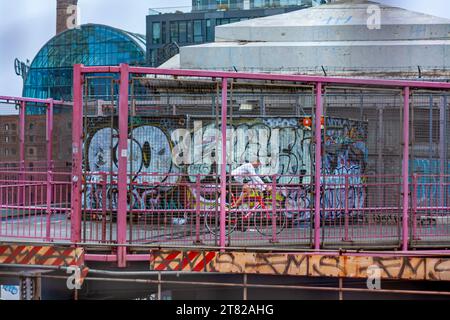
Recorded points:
(156,32)
(209,31)
(182,31)
(163,29)
(198,31)
(90,45)
(174,31)
(189,32)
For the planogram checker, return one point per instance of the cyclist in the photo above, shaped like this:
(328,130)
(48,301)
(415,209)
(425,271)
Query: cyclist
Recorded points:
(248,170)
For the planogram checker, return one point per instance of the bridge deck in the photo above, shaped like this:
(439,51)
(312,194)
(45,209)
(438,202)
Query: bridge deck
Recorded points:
(57,229)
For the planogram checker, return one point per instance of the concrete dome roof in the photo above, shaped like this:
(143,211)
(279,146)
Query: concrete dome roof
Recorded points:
(334,36)
(338,21)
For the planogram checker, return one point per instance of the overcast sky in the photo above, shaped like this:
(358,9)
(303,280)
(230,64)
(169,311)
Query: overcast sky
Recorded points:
(26,25)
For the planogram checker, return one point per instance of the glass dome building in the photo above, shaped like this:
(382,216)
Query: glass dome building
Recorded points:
(50,74)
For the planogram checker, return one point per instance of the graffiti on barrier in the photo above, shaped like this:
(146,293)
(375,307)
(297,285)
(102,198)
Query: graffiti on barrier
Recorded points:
(345,153)
(432,189)
(160,181)
(391,267)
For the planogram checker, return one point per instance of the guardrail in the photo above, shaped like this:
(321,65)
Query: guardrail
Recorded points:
(35,205)
(330,208)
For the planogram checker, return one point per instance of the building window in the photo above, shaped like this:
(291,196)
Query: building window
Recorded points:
(174,36)
(222,21)
(163,32)
(189,32)
(258,4)
(154,57)
(182,27)
(209,31)
(6,139)
(6,127)
(198,31)
(156,33)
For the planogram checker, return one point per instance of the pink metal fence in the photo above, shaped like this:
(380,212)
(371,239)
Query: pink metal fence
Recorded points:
(379,179)
(389,216)
(35,189)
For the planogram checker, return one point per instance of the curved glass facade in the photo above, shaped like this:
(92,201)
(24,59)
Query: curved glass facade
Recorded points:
(50,75)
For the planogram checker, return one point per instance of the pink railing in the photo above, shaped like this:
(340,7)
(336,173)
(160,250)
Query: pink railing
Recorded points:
(318,82)
(37,166)
(430,217)
(34,195)
(36,207)
(401,210)
(182,212)
(179,209)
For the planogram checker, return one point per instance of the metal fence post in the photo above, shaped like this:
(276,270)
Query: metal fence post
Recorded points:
(405,169)
(197,210)
(49,142)
(123,164)
(414,208)
(346,217)
(104,204)
(49,201)
(442,147)
(77,129)
(274,209)
(223,165)
(22,112)
(49,133)
(318,164)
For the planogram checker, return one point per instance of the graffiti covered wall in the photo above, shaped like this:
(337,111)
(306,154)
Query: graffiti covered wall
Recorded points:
(345,153)
(432,188)
(283,145)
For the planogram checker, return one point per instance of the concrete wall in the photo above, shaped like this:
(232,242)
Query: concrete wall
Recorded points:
(347,55)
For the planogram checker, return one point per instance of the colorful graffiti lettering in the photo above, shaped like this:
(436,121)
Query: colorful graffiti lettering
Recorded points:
(345,157)
(432,188)
(283,145)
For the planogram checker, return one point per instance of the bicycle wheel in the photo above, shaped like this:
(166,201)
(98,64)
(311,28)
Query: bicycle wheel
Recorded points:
(265,223)
(212,222)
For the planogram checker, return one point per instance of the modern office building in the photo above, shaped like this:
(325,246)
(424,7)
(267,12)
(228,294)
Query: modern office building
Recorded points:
(204,5)
(331,39)
(169,31)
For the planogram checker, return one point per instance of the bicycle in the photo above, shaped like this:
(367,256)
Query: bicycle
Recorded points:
(258,211)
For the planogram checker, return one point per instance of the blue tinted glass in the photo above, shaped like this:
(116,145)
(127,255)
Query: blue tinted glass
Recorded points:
(50,73)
